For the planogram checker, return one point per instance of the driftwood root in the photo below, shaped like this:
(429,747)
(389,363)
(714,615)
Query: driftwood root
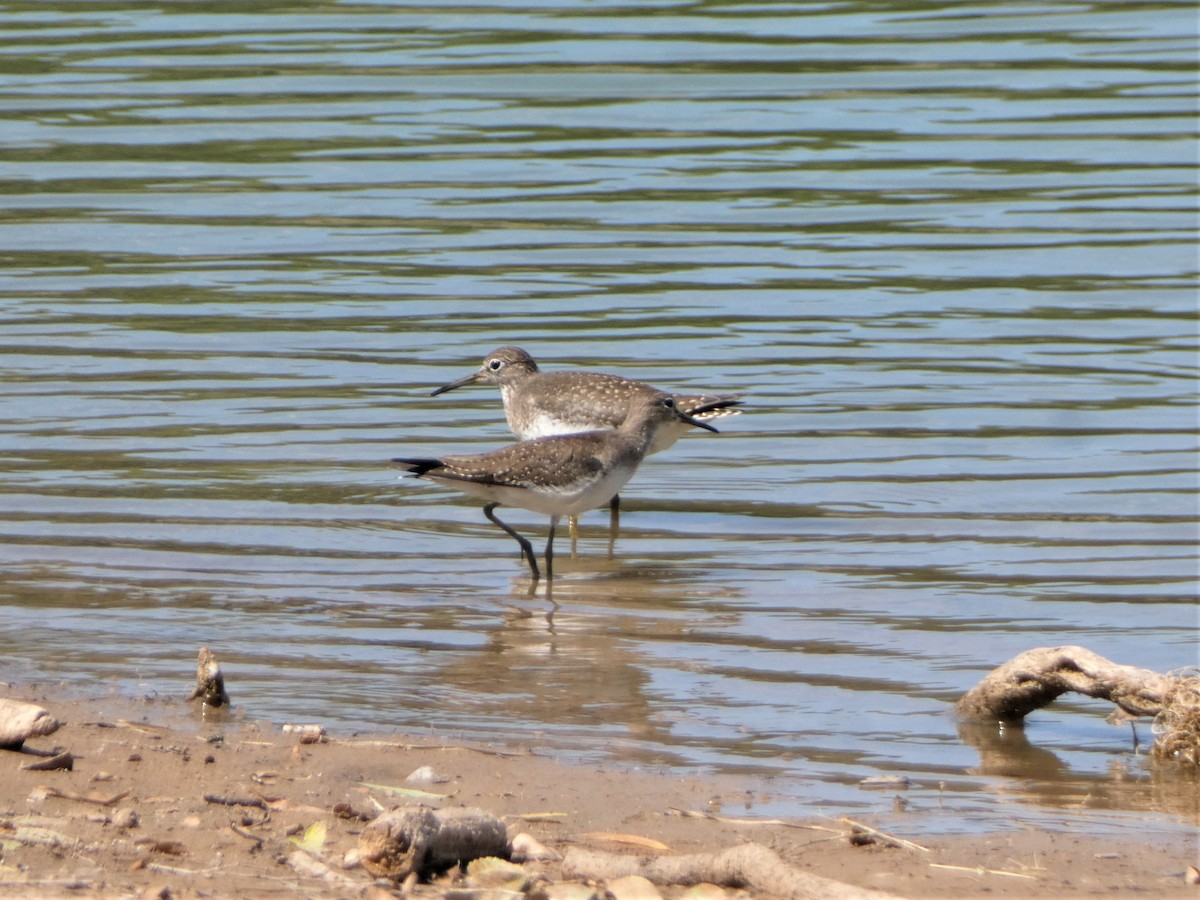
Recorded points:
(1177,727)
(1038,677)
(417,841)
(210,683)
(750,866)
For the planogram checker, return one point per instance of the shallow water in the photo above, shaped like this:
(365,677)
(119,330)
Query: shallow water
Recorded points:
(947,254)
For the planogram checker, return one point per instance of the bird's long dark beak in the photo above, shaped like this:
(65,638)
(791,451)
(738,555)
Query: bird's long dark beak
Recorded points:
(714,405)
(462,382)
(684,417)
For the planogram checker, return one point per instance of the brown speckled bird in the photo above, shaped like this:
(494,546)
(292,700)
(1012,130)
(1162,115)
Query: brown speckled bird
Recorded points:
(538,404)
(558,475)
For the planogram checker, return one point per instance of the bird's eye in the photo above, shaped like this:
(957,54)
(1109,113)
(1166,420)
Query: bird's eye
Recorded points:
(669,402)
(495,364)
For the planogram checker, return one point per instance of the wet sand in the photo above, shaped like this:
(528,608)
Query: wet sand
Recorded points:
(141,815)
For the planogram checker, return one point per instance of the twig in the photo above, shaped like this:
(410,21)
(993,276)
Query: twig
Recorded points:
(175,870)
(884,836)
(137,726)
(738,820)
(980,870)
(40,837)
(67,884)
(249,835)
(537,817)
(425,747)
(237,801)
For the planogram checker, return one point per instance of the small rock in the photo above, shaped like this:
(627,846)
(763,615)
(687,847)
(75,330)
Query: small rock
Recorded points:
(126,817)
(885,783)
(527,848)
(633,887)
(20,721)
(306,734)
(570,891)
(426,775)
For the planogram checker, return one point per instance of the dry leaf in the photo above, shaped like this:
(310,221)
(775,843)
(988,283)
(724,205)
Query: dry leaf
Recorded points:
(90,798)
(1193,875)
(633,840)
(171,848)
(403,791)
(491,873)
(313,840)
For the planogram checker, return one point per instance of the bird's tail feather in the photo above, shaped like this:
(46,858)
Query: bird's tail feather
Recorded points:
(417,467)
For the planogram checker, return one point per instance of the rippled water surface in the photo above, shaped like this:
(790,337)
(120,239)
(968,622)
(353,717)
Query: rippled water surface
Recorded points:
(946,252)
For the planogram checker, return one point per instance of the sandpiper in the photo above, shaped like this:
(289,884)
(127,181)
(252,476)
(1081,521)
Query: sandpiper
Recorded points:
(558,475)
(538,404)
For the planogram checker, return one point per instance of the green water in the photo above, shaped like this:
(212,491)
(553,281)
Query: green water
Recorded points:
(946,251)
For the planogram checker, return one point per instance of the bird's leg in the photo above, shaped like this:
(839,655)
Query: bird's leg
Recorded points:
(550,549)
(614,522)
(573,529)
(526,548)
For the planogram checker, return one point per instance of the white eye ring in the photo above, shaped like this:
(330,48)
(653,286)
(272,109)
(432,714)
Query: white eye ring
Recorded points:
(495,364)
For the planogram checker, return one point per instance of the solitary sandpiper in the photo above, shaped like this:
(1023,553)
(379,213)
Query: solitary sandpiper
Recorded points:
(538,404)
(559,475)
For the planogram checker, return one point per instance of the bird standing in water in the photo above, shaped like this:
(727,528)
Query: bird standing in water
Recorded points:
(559,475)
(539,404)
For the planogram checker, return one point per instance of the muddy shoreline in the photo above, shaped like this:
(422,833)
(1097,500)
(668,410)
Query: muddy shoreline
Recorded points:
(144,812)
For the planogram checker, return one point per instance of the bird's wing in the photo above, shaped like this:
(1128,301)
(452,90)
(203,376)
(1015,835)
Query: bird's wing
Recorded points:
(557,460)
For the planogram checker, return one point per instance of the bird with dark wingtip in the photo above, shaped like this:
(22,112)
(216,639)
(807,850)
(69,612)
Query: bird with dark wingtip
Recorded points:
(561,475)
(538,404)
